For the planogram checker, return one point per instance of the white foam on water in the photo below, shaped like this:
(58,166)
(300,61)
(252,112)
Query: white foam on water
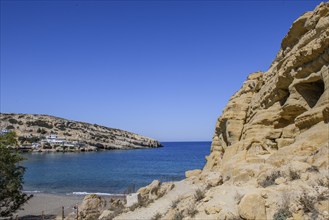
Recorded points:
(97,193)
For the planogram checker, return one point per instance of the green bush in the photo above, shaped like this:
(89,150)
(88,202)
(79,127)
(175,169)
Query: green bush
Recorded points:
(39,123)
(11,181)
(10,127)
(13,121)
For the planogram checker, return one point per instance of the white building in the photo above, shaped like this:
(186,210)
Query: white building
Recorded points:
(53,139)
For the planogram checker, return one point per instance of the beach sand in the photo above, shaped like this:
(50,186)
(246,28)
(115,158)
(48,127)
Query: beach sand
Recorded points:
(50,204)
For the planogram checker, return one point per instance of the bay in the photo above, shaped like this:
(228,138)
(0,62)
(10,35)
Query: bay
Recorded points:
(111,172)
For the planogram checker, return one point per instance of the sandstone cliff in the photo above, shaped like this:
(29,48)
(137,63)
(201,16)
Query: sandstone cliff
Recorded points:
(269,155)
(32,128)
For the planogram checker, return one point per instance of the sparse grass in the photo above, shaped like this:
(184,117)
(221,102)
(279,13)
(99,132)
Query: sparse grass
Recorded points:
(323,181)
(308,203)
(270,179)
(199,194)
(293,174)
(178,216)
(192,211)
(156,216)
(175,203)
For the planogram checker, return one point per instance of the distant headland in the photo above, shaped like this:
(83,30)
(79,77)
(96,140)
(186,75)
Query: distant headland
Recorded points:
(45,133)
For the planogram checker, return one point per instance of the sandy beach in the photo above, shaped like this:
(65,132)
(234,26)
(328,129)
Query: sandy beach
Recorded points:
(50,204)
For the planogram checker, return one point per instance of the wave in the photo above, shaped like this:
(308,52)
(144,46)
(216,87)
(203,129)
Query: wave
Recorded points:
(34,191)
(97,193)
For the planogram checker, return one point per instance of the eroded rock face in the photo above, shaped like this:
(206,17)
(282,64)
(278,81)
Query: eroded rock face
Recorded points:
(274,110)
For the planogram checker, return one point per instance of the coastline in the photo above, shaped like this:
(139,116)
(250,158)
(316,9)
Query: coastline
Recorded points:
(50,205)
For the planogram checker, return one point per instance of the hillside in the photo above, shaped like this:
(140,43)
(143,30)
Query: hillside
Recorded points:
(270,151)
(33,128)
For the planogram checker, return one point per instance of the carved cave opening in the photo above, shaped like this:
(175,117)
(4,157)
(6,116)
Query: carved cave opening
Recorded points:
(311,91)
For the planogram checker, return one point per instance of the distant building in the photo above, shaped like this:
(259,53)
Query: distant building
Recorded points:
(53,139)
(35,145)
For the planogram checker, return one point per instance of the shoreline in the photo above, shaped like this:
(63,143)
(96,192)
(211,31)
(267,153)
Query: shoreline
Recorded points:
(50,205)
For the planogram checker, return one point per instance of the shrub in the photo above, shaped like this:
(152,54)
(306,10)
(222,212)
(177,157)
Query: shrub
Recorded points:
(156,216)
(282,214)
(11,173)
(39,123)
(42,131)
(270,179)
(192,211)
(308,204)
(10,127)
(28,139)
(294,175)
(199,194)
(13,121)
(61,127)
(178,216)
(323,181)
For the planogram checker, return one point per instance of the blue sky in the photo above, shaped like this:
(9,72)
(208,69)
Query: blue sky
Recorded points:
(163,69)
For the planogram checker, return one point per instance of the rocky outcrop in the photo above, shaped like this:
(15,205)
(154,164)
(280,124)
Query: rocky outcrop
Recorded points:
(32,128)
(269,154)
(91,208)
(274,111)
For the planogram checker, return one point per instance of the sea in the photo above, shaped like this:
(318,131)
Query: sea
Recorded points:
(111,172)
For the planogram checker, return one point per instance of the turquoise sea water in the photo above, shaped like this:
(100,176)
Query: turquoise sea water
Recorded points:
(111,171)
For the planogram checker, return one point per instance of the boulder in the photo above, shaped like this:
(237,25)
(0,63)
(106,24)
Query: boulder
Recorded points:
(214,179)
(252,206)
(133,199)
(92,206)
(191,173)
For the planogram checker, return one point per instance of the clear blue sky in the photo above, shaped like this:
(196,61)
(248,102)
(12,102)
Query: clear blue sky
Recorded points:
(163,69)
